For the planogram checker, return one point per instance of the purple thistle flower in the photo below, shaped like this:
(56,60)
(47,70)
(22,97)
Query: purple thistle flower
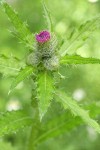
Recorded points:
(43,37)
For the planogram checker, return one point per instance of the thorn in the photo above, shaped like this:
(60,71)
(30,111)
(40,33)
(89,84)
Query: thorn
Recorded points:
(62,77)
(9,92)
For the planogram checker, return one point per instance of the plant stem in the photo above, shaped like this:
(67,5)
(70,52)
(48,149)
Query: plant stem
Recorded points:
(33,136)
(34,132)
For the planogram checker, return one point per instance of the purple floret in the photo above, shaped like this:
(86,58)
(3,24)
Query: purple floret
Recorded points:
(43,37)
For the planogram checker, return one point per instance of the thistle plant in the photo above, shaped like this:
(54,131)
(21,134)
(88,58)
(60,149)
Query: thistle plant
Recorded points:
(45,56)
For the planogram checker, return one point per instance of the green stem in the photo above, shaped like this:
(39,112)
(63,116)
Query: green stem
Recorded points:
(35,129)
(33,136)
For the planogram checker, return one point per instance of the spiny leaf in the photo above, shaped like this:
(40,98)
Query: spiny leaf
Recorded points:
(11,122)
(23,32)
(44,91)
(10,65)
(23,74)
(57,126)
(94,109)
(77,38)
(76,110)
(47,16)
(63,123)
(76,59)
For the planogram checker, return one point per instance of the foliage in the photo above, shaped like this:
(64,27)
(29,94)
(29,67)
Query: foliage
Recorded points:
(22,29)
(12,121)
(44,61)
(10,66)
(44,91)
(77,38)
(21,76)
(76,59)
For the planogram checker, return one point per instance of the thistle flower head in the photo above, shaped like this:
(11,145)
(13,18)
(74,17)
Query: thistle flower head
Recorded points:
(43,37)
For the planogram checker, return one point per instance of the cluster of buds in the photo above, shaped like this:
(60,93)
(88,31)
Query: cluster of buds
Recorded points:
(45,52)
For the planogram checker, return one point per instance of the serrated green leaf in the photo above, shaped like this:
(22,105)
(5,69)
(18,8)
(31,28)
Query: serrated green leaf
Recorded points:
(10,65)
(94,109)
(78,37)
(63,123)
(11,122)
(23,32)
(76,59)
(44,91)
(22,75)
(70,104)
(57,126)
(47,16)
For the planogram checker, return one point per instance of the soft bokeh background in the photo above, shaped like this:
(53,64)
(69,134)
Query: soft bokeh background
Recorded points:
(82,82)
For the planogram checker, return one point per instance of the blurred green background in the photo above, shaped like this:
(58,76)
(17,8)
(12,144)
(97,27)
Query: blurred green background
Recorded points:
(82,81)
